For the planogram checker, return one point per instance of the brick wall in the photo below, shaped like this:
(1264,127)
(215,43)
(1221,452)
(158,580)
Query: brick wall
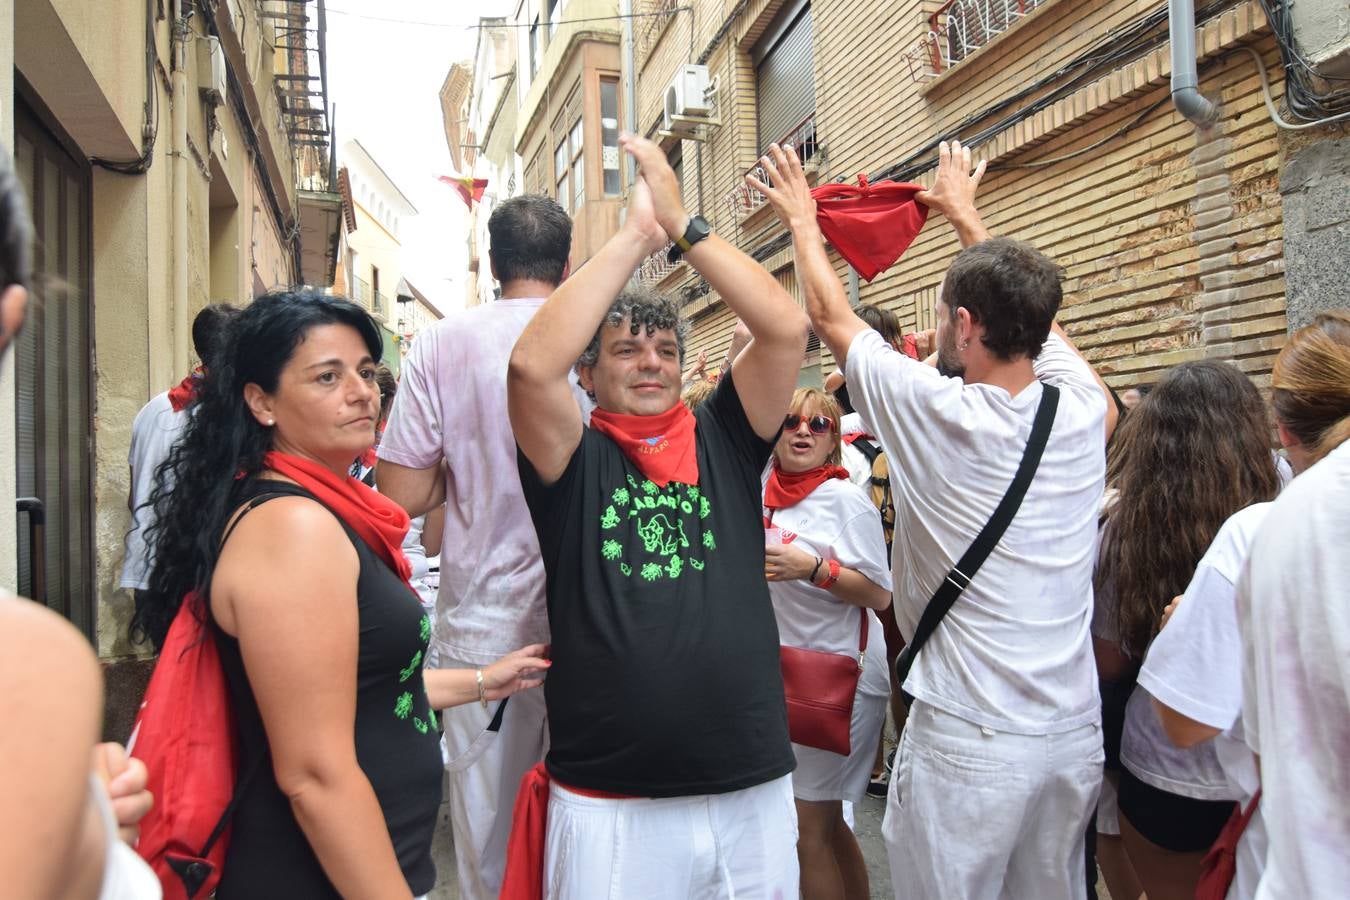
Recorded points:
(1171,239)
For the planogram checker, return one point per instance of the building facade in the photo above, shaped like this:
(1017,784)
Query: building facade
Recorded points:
(1174,240)
(373,263)
(174,155)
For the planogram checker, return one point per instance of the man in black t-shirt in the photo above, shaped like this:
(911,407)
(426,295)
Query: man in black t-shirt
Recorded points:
(669,744)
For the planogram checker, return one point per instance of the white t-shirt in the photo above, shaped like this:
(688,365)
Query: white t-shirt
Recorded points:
(451,405)
(1294,616)
(1014,653)
(154,431)
(835,521)
(1194,666)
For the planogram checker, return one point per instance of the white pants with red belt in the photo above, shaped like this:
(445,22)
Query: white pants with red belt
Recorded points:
(740,845)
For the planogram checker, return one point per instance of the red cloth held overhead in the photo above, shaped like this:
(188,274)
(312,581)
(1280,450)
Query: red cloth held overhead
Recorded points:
(870,224)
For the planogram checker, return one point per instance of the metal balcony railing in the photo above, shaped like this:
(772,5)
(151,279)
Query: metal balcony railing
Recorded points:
(381,306)
(960,27)
(743,199)
(361,292)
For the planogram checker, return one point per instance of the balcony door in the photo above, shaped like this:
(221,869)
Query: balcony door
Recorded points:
(54,378)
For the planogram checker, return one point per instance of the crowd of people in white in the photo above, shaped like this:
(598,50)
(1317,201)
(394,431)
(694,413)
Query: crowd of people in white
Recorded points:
(1121,638)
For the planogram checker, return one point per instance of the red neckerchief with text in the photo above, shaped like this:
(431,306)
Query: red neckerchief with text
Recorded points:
(184,394)
(661,446)
(785,489)
(379,521)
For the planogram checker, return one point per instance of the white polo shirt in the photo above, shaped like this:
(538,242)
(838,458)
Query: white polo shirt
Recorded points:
(1014,654)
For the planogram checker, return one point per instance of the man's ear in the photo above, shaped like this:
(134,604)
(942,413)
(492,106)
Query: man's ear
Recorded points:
(966,326)
(585,378)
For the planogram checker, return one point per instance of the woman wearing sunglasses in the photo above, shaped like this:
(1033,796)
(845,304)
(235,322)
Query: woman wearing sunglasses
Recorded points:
(825,560)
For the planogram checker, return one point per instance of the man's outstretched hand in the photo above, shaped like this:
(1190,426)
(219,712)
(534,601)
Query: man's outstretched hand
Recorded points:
(787,190)
(663,196)
(953,192)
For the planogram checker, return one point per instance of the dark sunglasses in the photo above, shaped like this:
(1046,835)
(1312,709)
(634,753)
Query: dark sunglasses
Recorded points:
(817,424)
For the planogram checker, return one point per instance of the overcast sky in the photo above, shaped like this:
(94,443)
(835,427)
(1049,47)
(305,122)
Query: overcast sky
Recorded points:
(387,60)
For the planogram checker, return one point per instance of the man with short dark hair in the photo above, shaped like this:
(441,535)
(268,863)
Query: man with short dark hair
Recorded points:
(1001,759)
(669,756)
(154,431)
(448,441)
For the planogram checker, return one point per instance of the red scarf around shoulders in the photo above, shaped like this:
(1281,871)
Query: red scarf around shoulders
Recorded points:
(785,489)
(379,521)
(184,394)
(661,446)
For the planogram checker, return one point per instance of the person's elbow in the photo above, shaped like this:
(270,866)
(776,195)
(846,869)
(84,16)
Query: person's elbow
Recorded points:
(1182,731)
(313,775)
(877,597)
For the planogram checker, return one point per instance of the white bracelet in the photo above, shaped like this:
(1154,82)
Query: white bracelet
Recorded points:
(482,694)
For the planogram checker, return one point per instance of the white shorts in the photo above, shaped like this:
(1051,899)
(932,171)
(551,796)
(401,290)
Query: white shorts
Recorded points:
(740,845)
(976,813)
(483,795)
(822,775)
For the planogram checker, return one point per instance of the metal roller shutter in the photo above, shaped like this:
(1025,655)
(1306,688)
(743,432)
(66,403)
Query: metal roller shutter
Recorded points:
(784,74)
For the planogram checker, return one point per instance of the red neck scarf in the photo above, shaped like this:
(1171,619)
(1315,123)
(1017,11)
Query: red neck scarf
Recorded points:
(661,446)
(379,521)
(786,489)
(185,393)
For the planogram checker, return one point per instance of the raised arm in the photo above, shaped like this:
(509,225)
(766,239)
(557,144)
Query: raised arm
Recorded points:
(545,417)
(826,303)
(765,373)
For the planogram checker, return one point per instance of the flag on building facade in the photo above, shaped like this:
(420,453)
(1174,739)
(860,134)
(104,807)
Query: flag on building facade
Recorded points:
(471,189)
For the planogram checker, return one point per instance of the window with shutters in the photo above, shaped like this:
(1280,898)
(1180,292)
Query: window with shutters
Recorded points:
(53,378)
(784,76)
(785,96)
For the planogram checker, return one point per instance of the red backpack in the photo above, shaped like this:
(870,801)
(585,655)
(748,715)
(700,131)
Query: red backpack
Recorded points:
(185,735)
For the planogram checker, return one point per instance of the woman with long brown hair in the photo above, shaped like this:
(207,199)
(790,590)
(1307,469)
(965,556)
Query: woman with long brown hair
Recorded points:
(1195,665)
(1191,454)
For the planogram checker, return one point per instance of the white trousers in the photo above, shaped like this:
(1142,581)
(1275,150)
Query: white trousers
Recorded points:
(975,814)
(736,846)
(483,795)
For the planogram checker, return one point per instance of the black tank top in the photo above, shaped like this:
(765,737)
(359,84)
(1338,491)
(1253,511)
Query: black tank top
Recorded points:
(397,744)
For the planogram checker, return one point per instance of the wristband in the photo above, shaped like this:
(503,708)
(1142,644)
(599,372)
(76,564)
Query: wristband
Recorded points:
(833,577)
(482,691)
(812,577)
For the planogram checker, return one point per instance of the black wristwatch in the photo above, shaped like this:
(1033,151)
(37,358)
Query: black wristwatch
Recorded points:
(696,231)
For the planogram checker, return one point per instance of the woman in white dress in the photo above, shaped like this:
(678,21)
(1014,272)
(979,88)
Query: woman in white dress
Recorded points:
(825,559)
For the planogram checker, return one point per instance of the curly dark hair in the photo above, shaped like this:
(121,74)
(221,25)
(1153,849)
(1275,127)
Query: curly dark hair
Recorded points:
(223,445)
(1194,451)
(16,228)
(643,307)
(1011,289)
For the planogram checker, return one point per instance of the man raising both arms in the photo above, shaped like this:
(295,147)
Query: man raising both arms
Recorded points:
(665,686)
(1001,759)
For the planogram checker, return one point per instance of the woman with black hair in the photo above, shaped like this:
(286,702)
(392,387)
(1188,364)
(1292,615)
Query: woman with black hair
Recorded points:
(1192,453)
(297,570)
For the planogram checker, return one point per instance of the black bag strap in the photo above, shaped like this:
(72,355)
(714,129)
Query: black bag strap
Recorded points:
(959,578)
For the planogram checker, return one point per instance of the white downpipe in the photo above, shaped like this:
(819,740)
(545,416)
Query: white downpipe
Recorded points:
(179,239)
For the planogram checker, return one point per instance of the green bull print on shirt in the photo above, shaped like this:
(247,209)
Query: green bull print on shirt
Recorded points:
(661,522)
(403,705)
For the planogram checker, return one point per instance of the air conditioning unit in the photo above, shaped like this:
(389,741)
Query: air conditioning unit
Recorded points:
(690,101)
(211,70)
